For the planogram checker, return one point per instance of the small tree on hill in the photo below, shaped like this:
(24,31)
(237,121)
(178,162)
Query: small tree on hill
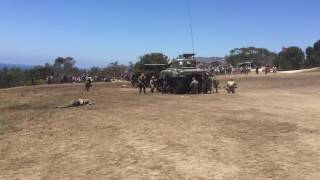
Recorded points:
(64,66)
(259,56)
(291,58)
(152,58)
(313,55)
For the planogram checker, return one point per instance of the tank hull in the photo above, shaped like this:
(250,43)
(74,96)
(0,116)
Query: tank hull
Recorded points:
(178,81)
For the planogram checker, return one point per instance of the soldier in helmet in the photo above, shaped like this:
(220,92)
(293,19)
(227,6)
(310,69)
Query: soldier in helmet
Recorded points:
(205,83)
(215,83)
(210,83)
(165,85)
(142,81)
(194,86)
(231,86)
(152,84)
(33,82)
(88,84)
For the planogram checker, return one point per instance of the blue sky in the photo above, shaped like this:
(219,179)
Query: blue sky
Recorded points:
(96,32)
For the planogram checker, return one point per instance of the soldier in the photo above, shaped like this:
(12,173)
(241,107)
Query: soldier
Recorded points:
(194,85)
(50,78)
(77,102)
(152,84)
(210,83)
(215,83)
(203,84)
(231,86)
(142,83)
(165,85)
(207,85)
(33,82)
(274,69)
(267,70)
(88,84)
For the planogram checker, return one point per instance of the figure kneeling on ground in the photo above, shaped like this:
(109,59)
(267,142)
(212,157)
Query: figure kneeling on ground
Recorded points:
(231,86)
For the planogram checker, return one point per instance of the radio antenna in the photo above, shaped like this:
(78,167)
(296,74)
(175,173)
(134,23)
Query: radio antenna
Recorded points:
(190,24)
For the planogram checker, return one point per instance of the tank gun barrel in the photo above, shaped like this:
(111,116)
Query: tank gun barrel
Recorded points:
(156,65)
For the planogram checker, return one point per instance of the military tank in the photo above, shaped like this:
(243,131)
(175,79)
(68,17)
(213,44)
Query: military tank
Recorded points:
(176,78)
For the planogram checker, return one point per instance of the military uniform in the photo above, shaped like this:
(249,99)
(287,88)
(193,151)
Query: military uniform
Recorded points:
(209,84)
(142,84)
(231,86)
(88,84)
(152,84)
(194,86)
(205,84)
(165,85)
(215,83)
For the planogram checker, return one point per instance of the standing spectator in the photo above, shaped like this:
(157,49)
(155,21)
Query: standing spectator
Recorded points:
(142,83)
(152,84)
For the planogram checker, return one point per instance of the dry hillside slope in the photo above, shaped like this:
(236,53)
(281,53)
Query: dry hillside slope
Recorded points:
(268,130)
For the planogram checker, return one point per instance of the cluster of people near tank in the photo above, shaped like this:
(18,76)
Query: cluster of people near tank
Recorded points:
(65,79)
(217,69)
(225,69)
(207,84)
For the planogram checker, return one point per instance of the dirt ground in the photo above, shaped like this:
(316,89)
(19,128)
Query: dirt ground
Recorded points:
(268,130)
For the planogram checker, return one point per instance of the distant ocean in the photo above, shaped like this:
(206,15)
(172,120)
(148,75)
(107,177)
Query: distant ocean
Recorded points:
(21,66)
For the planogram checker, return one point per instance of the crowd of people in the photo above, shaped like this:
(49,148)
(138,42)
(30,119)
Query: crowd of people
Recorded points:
(217,69)
(225,69)
(208,84)
(65,79)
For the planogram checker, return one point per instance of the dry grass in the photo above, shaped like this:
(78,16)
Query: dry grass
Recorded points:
(268,130)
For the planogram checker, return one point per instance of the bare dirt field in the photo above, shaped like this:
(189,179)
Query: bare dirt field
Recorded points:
(270,129)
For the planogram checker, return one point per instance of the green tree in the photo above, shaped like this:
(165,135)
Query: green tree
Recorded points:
(313,55)
(96,73)
(115,70)
(18,77)
(12,77)
(259,56)
(152,58)
(64,66)
(41,72)
(291,58)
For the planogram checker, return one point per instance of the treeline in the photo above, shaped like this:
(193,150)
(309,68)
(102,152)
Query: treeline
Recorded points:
(290,58)
(63,70)
(259,56)
(132,71)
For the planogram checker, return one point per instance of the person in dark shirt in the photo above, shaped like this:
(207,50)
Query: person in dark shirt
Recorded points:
(142,81)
